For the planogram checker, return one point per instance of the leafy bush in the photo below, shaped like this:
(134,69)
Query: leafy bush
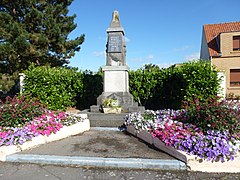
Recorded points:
(172,91)
(201,78)
(92,88)
(166,88)
(58,88)
(17,111)
(144,85)
(214,114)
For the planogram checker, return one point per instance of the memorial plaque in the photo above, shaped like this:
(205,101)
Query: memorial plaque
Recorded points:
(114,43)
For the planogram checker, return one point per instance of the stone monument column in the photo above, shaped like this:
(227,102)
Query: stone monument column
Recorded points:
(115,72)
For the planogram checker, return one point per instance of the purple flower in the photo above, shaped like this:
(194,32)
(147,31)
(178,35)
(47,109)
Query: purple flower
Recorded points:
(211,145)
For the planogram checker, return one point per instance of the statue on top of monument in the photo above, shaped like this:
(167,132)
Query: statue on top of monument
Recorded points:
(115,17)
(116,45)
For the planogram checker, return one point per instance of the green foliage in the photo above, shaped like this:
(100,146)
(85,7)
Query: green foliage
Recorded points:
(92,88)
(144,82)
(213,114)
(202,80)
(17,111)
(173,88)
(7,81)
(157,88)
(36,31)
(58,88)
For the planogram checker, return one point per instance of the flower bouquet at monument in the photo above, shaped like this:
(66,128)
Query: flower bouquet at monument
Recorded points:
(111,106)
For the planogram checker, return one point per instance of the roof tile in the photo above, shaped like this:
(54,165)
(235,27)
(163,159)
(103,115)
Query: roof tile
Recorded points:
(213,30)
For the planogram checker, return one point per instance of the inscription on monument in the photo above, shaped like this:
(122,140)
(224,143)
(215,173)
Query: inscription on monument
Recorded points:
(114,43)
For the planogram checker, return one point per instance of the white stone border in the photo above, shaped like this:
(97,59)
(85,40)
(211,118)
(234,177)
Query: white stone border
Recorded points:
(64,132)
(194,163)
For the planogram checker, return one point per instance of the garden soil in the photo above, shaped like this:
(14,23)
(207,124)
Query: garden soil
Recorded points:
(100,143)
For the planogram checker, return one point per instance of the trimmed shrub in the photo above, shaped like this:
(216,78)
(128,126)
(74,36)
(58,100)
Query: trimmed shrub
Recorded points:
(92,88)
(157,88)
(202,80)
(56,87)
(144,85)
(172,91)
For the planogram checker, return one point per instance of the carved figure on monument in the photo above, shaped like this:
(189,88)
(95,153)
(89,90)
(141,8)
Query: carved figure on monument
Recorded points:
(115,17)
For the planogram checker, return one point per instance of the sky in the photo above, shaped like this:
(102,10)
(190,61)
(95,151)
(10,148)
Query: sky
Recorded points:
(161,32)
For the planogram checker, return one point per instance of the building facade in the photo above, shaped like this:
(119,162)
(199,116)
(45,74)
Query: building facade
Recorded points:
(221,45)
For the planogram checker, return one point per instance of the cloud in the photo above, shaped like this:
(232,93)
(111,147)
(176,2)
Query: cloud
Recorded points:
(102,38)
(192,56)
(148,58)
(99,53)
(166,65)
(179,49)
(184,48)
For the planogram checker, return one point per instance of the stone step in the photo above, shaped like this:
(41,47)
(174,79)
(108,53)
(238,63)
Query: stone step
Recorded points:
(106,120)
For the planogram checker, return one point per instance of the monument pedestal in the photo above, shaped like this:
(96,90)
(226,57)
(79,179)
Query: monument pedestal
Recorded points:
(115,79)
(116,86)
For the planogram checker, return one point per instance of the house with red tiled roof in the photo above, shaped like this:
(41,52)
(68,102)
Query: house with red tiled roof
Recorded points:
(221,45)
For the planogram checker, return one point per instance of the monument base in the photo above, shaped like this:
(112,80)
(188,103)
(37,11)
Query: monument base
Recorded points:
(129,109)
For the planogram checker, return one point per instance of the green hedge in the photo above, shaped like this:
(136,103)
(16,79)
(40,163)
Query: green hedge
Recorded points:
(157,88)
(56,87)
(201,79)
(151,86)
(92,88)
(144,84)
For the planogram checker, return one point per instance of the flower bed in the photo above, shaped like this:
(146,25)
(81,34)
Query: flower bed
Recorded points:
(201,151)
(74,125)
(46,124)
(25,123)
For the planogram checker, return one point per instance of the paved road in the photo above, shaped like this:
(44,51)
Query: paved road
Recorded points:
(95,143)
(99,144)
(13,171)
(100,148)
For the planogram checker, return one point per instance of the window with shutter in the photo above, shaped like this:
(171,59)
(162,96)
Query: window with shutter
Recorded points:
(236,43)
(235,77)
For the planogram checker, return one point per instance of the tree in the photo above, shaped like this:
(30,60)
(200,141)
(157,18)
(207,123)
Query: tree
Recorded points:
(36,31)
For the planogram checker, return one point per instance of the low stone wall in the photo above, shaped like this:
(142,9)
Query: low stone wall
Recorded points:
(64,132)
(194,163)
